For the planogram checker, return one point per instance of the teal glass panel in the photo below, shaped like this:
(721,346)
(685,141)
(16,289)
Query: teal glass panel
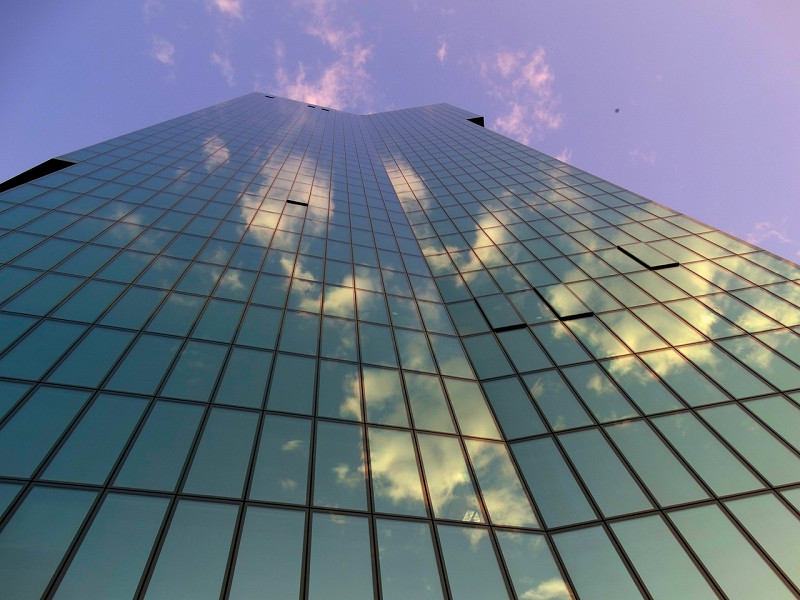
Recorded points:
(450,488)
(41,297)
(10,393)
(775,528)
(292,386)
(659,469)
(593,296)
(703,318)
(596,570)
(92,449)
(608,480)
(340,566)
(133,308)
(428,405)
(599,393)
(339,471)
(383,397)
(36,352)
(37,536)
(731,375)
(12,327)
(195,372)
(244,381)
(666,570)
(300,333)
(281,470)
(682,377)
(471,564)
(339,393)
(219,321)
(556,401)
(781,415)
(563,302)
(194,555)
(407,561)
(414,351)
(593,334)
(89,301)
(785,341)
(177,315)
(160,450)
(339,339)
(500,486)
(8,491)
(450,356)
(523,350)
(655,285)
(667,325)
(774,307)
(377,345)
(631,331)
(259,327)
(270,555)
(396,484)
(111,558)
(222,458)
(92,358)
(778,371)
(530,564)
(732,561)
(720,469)
(163,272)
(740,313)
(513,408)
(472,413)
(644,388)
(32,431)
(145,364)
(559,343)
(372,307)
(777,463)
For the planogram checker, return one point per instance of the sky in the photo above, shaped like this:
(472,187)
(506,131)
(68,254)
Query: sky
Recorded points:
(692,103)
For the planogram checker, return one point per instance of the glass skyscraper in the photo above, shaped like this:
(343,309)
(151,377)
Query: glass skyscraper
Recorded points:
(274,350)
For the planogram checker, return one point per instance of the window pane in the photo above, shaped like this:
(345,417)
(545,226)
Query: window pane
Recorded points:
(220,463)
(112,556)
(530,563)
(407,561)
(513,408)
(156,460)
(341,561)
(245,379)
(270,555)
(292,387)
(471,563)
(428,404)
(339,473)
(281,471)
(383,397)
(195,552)
(396,484)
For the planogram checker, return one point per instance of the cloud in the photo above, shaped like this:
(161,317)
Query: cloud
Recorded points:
(524,82)
(565,155)
(766,230)
(225,66)
(163,51)
(646,156)
(441,53)
(345,81)
(231,8)
(151,8)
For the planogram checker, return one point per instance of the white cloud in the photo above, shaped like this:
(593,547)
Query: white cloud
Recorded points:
(163,51)
(766,230)
(225,66)
(151,8)
(524,82)
(441,53)
(231,8)
(345,81)
(565,155)
(645,156)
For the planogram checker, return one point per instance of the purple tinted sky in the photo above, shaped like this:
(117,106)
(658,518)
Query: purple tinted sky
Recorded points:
(708,91)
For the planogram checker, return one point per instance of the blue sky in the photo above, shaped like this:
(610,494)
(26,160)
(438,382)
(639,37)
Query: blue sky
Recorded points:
(708,91)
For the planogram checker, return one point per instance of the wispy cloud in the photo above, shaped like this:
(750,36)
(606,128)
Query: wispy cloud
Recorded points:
(223,61)
(345,81)
(231,8)
(163,51)
(766,230)
(151,8)
(565,155)
(441,53)
(524,82)
(645,156)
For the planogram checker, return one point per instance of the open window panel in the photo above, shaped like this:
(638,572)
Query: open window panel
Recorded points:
(647,256)
(563,302)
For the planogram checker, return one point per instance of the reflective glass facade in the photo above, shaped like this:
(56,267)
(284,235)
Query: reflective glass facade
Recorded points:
(271,350)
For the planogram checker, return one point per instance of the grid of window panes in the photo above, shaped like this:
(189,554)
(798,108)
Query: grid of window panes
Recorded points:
(274,350)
